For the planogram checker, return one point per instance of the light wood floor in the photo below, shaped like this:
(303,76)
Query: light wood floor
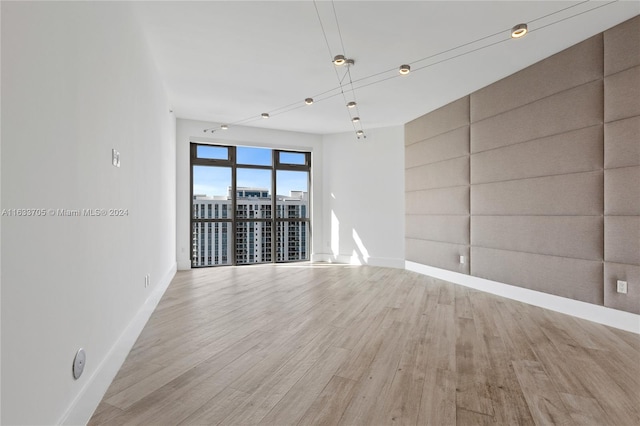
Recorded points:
(329,344)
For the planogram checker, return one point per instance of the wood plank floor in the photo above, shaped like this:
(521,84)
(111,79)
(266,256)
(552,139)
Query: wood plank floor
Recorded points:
(304,344)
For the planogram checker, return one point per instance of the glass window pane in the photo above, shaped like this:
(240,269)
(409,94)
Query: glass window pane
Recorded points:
(211,243)
(212,152)
(293,158)
(211,187)
(253,192)
(292,188)
(292,241)
(253,242)
(253,156)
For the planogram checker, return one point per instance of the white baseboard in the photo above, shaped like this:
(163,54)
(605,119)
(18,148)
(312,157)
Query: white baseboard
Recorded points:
(600,314)
(82,408)
(357,260)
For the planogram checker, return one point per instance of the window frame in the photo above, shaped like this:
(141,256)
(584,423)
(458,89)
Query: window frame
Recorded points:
(232,163)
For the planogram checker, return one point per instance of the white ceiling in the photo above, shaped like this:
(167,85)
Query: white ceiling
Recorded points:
(227,61)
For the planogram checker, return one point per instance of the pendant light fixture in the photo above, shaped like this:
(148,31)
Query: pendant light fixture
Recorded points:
(339,60)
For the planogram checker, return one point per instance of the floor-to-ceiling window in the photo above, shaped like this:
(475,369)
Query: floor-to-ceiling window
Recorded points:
(234,194)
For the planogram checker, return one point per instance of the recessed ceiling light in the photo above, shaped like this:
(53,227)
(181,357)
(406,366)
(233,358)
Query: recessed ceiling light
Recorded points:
(265,115)
(519,31)
(351,104)
(339,60)
(359,133)
(405,69)
(308,101)
(350,62)
(224,127)
(355,119)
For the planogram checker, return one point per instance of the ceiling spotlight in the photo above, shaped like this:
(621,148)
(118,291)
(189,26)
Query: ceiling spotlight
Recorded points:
(265,115)
(339,60)
(351,104)
(519,31)
(359,133)
(350,62)
(224,127)
(355,119)
(308,101)
(405,69)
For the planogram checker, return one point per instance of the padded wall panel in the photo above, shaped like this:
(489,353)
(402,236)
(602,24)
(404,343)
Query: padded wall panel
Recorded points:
(440,255)
(622,95)
(621,49)
(578,194)
(567,236)
(448,229)
(622,191)
(572,67)
(442,120)
(453,144)
(573,278)
(443,174)
(622,143)
(569,110)
(554,156)
(572,152)
(622,239)
(622,164)
(441,201)
(631,274)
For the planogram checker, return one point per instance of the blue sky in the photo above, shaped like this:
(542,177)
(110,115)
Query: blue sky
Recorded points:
(215,180)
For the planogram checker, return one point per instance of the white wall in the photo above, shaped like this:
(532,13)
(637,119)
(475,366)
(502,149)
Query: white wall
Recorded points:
(192,131)
(77,81)
(364,198)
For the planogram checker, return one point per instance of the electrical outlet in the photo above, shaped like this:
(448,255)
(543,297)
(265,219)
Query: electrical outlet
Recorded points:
(621,286)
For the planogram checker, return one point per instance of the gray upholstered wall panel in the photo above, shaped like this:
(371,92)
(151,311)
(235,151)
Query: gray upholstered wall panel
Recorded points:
(440,255)
(573,278)
(446,146)
(567,236)
(622,143)
(572,67)
(569,110)
(621,49)
(437,187)
(442,120)
(622,239)
(441,201)
(572,152)
(622,191)
(578,194)
(448,229)
(443,174)
(554,193)
(622,164)
(622,95)
(631,274)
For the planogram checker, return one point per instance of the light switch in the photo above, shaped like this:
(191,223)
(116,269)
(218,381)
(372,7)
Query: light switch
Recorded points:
(462,260)
(115,158)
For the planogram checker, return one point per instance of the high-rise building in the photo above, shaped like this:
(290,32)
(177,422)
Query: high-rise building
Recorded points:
(255,241)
